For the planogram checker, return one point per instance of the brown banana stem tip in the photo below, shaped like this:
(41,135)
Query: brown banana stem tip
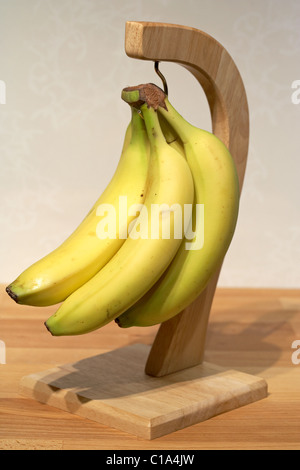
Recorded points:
(150,94)
(45,323)
(12,294)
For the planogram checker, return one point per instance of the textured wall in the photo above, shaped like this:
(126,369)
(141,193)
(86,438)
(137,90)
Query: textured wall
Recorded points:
(61,129)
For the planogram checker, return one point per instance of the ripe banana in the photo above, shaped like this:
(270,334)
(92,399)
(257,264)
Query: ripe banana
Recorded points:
(171,137)
(217,189)
(53,278)
(143,258)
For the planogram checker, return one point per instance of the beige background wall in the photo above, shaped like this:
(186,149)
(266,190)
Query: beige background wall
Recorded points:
(62,127)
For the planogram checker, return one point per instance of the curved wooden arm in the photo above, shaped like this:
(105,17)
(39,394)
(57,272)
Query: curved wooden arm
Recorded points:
(180,341)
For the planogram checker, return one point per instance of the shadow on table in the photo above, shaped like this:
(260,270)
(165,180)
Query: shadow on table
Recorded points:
(257,345)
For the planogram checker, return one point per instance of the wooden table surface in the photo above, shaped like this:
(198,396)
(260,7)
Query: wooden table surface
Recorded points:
(250,330)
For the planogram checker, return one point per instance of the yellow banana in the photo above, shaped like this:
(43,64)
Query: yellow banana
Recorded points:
(53,278)
(145,255)
(217,193)
(171,137)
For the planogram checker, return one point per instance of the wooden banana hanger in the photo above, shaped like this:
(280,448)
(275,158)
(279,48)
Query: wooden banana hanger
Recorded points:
(180,341)
(179,388)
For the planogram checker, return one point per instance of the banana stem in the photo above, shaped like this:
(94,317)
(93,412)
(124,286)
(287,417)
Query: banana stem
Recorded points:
(154,131)
(147,98)
(147,93)
(152,97)
(138,126)
(176,121)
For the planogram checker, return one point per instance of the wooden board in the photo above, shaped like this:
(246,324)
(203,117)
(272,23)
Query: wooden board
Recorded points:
(251,330)
(113,389)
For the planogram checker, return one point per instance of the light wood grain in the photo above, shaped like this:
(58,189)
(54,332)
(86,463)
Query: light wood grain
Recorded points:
(180,341)
(112,389)
(250,330)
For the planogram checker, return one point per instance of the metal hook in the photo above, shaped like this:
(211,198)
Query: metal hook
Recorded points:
(165,85)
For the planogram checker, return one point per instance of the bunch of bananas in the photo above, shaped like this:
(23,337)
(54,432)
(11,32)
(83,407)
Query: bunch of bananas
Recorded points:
(141,255)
